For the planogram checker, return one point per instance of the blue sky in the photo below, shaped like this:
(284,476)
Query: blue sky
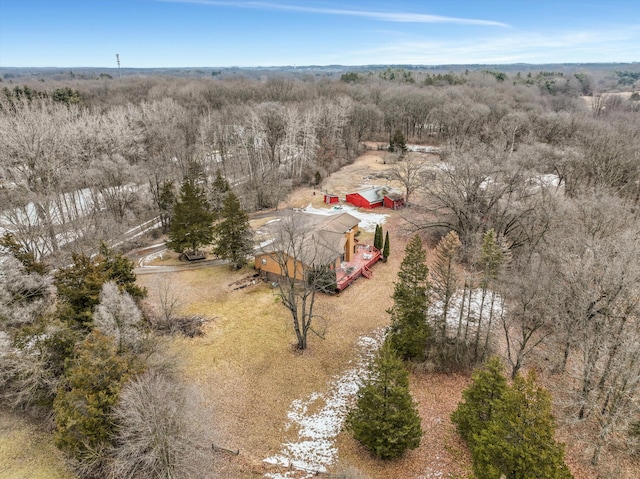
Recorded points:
(192,33)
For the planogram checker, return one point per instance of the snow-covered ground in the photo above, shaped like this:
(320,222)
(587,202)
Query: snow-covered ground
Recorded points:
(473,305)
(368,220)
(315,447)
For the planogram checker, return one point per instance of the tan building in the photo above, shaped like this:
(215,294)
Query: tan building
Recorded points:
(302,241)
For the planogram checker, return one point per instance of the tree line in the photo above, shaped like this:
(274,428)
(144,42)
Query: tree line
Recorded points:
(81,171)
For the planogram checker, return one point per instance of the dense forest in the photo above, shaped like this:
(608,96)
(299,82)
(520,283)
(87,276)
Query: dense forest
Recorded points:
(539,180)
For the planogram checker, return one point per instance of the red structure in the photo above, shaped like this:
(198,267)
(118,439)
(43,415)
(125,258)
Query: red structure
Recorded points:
(361,201)
(393,201)
(328,199)
(364,258)
(376,196)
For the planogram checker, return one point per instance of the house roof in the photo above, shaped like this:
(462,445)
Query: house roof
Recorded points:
(311,238)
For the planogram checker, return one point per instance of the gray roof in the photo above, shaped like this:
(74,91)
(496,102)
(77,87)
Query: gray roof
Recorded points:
(375,194)
(310,238)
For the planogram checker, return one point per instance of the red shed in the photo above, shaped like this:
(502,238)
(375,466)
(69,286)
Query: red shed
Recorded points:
(328,199)
(393,201)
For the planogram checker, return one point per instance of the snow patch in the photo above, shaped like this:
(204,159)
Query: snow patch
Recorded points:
(473,308)
(315,448)
(142,262)
(368,221)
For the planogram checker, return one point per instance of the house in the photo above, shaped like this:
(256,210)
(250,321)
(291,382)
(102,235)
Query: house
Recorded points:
(376,196)
(303,241)
(328,199)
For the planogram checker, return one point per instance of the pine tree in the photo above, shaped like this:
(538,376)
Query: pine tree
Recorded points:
(445,281)
(79,285)
(509,429)
(385,419)
(84,424)
(120,270)
(192,222)
(377,238)
(386,248)
(519,440)
(480,400)
(409,330)
(234,237)
(398,143)
(492,257)
(26,257)
(218,193)
(166,202)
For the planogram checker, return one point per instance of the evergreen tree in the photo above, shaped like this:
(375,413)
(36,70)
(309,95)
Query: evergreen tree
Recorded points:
(218,193)
(192,222)
(26,257)
(445,281)
(83,406)
(385,419)
(166,202)
(409,331)
(518,443)
(509,429)
(480,399)
(492,257)
(234,237)
(386,248)
(377,238)
(79,285)
(398,143)
(120,270)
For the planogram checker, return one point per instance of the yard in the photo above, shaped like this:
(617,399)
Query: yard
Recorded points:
(251,377)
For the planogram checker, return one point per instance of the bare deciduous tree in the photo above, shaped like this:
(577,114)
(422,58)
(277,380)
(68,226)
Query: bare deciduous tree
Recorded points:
(409,171)
(157,431)
(526,322)
(480,190)
(303,257)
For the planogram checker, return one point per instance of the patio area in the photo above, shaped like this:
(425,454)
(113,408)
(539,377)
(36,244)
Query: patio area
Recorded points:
(364,257)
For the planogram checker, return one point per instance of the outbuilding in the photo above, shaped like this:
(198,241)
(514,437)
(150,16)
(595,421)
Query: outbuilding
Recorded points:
(376,196)
(329,199)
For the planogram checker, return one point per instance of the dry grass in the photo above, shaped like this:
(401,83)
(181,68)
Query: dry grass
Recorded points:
(27,452)
(249,373)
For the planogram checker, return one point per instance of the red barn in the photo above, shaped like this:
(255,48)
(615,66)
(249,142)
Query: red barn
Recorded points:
(376,196)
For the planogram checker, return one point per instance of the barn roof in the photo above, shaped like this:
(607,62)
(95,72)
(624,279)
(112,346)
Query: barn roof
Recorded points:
(394,195)
(375,194)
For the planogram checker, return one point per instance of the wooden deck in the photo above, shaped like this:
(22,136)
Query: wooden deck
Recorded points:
(365,257)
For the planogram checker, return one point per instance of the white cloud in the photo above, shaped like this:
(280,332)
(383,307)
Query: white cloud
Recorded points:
(399,17)
(515,47)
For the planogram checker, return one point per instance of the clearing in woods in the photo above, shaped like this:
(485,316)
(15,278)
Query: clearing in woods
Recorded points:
(265,397)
